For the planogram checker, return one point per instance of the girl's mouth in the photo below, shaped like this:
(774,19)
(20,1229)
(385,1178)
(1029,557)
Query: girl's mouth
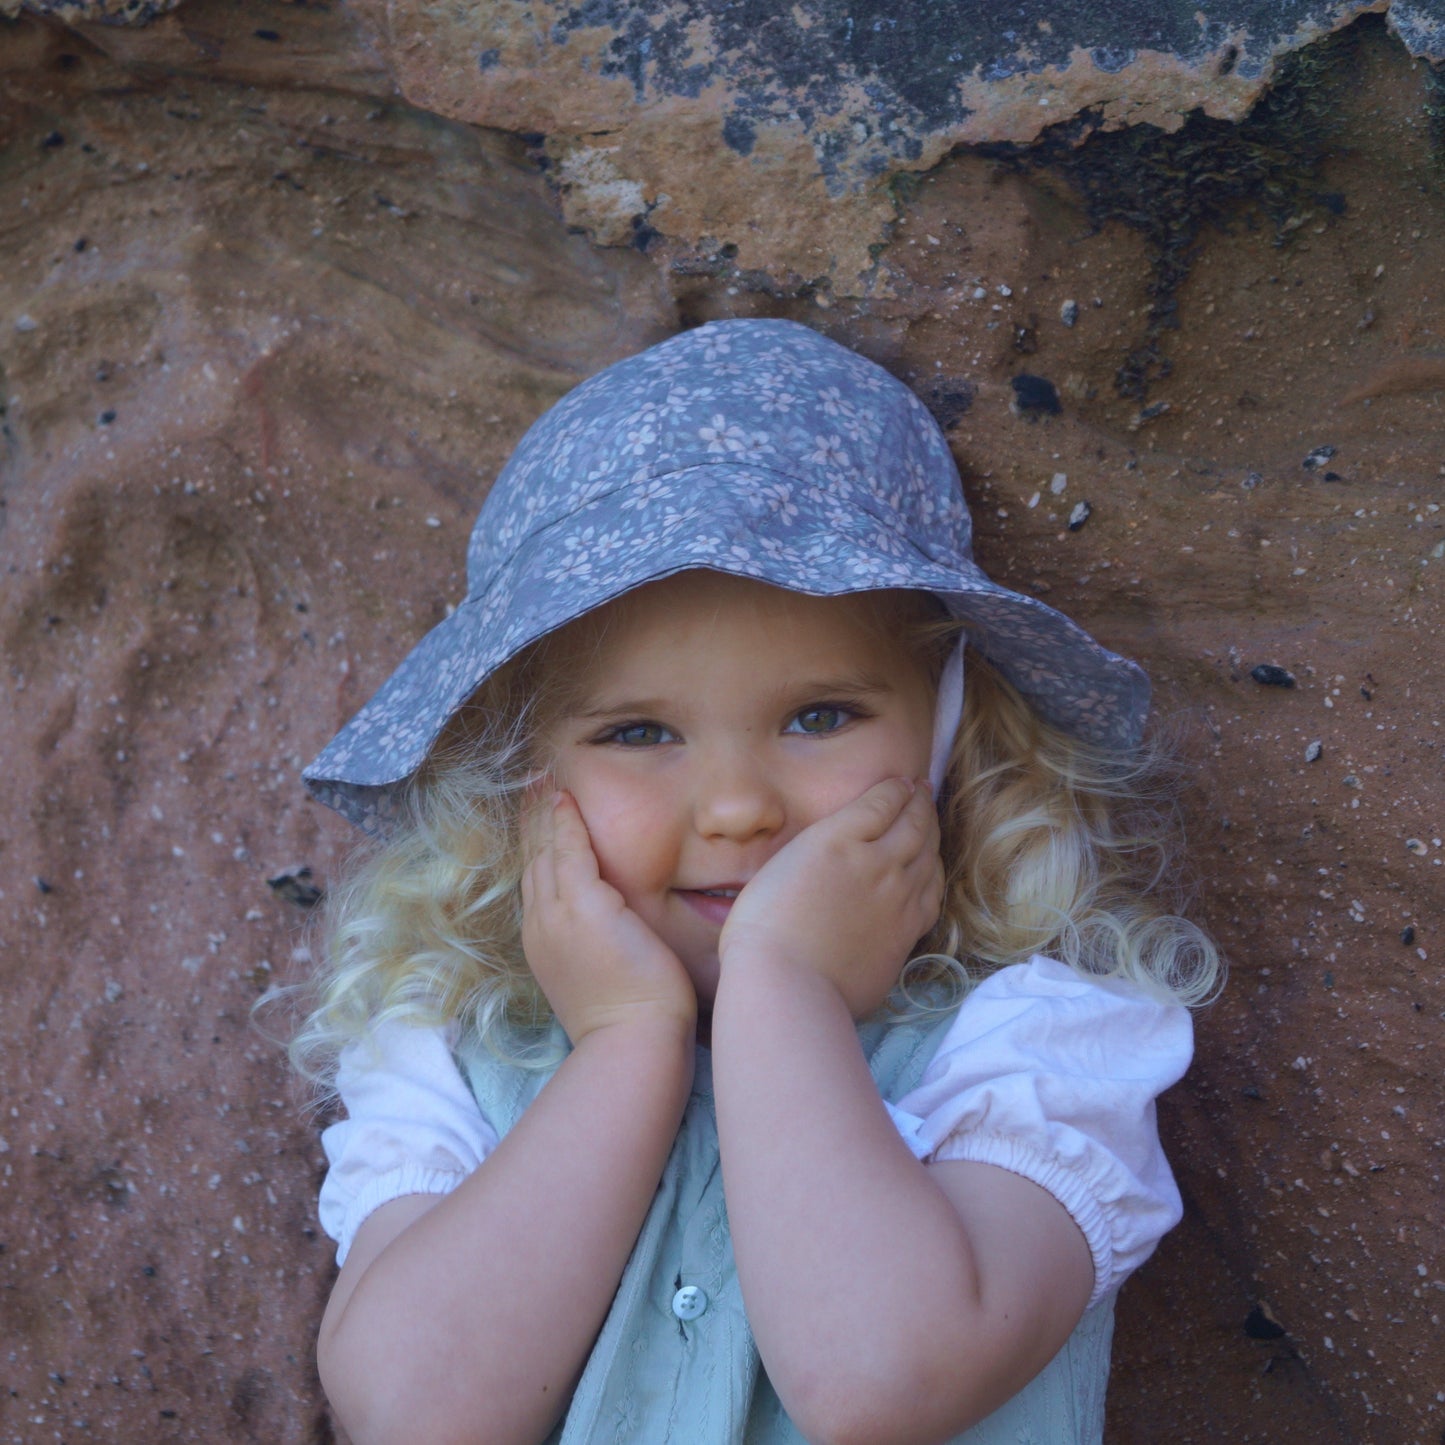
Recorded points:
(714,904)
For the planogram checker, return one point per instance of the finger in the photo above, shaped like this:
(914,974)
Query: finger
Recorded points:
(913,833)
(919,816)
(535,822)
(874,812)
(576,862)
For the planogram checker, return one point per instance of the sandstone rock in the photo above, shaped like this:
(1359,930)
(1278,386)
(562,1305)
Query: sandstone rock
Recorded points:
(276,321)
(277,333)
(715,124)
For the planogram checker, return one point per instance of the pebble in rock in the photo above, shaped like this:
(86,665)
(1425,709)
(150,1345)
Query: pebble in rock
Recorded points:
(1262,1325)
(1407,934)
(1034,394)
(1318,458)
(295,886)
(1069,312)
(1314,751)
(1081,514)
(1268,674)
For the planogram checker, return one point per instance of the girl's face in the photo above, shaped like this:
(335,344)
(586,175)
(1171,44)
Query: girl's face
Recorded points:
(712,718)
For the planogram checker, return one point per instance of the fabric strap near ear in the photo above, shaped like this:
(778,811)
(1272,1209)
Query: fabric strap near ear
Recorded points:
(947,716)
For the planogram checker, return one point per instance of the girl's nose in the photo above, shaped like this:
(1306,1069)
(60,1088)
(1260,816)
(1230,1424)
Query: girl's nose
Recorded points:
(736,799)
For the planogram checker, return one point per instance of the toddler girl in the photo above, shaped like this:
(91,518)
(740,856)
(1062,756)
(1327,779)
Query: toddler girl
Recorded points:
(747,1031)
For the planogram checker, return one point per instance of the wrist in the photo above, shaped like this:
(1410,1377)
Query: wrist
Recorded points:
(774,979)
(635,1026)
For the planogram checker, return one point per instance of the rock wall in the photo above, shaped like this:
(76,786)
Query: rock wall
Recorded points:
(274,306)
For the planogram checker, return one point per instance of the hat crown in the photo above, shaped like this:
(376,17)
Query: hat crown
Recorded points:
(770,396)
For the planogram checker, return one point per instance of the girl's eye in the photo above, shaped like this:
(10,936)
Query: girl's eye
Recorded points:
(824,718)
(638,735)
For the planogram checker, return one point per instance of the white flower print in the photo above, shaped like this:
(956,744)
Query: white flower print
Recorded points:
(673,518)
(674,404)
(828,451)
(576,563)
(721,435)
(646,493)
(779,497)
(640,438)
(778,403)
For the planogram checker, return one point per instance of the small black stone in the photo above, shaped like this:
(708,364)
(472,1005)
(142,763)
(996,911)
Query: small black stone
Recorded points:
(43,886)
(1271,676)
(1407,934)
(643,235)
(1318,457)
(295,886)
(53,140)
(1035,394)
(81,244)
(1250,1091)
(1333,477)
(1261,1325)
(272,35)
(106,417)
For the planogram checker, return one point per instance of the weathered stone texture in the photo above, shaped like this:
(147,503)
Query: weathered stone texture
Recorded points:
(266,333)
(647,105)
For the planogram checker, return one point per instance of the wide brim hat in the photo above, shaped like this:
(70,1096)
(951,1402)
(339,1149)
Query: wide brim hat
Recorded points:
(753,447)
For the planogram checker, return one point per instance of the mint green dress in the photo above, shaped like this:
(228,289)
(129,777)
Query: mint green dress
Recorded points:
(675,1359)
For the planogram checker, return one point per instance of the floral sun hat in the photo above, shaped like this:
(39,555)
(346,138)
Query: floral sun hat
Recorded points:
(753,447)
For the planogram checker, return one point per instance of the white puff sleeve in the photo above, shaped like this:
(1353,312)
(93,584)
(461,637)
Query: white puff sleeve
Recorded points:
(412,1127)
(1053,1075)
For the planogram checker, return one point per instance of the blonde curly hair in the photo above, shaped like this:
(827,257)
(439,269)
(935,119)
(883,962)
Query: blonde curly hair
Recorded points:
(1050,845)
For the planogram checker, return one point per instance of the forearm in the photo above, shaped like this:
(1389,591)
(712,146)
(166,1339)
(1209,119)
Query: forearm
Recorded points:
(474,1322)
(859,1277)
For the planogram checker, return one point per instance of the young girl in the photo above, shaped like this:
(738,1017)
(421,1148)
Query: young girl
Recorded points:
(665,1121)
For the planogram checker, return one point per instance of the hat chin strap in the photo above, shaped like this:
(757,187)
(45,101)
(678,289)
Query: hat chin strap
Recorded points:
(947,716)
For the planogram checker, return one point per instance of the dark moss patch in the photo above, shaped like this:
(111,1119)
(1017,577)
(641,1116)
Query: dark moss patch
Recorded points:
(1262,171)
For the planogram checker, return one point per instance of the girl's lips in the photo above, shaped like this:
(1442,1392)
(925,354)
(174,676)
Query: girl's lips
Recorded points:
(712,903)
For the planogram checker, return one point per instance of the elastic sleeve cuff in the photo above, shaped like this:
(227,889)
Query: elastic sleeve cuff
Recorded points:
(382,1189)
(1066,1185)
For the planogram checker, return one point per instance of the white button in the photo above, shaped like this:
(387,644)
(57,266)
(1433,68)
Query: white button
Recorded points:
(689,1302)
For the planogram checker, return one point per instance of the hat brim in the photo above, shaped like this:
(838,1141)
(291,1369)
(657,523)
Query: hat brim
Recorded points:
(733,519)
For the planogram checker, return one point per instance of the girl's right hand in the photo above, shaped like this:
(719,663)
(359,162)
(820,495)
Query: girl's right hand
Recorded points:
(597,962)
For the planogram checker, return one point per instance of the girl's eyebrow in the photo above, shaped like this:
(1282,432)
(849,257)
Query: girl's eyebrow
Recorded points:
(851,685)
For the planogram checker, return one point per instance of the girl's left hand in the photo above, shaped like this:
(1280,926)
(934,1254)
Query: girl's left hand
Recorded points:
(847,898)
